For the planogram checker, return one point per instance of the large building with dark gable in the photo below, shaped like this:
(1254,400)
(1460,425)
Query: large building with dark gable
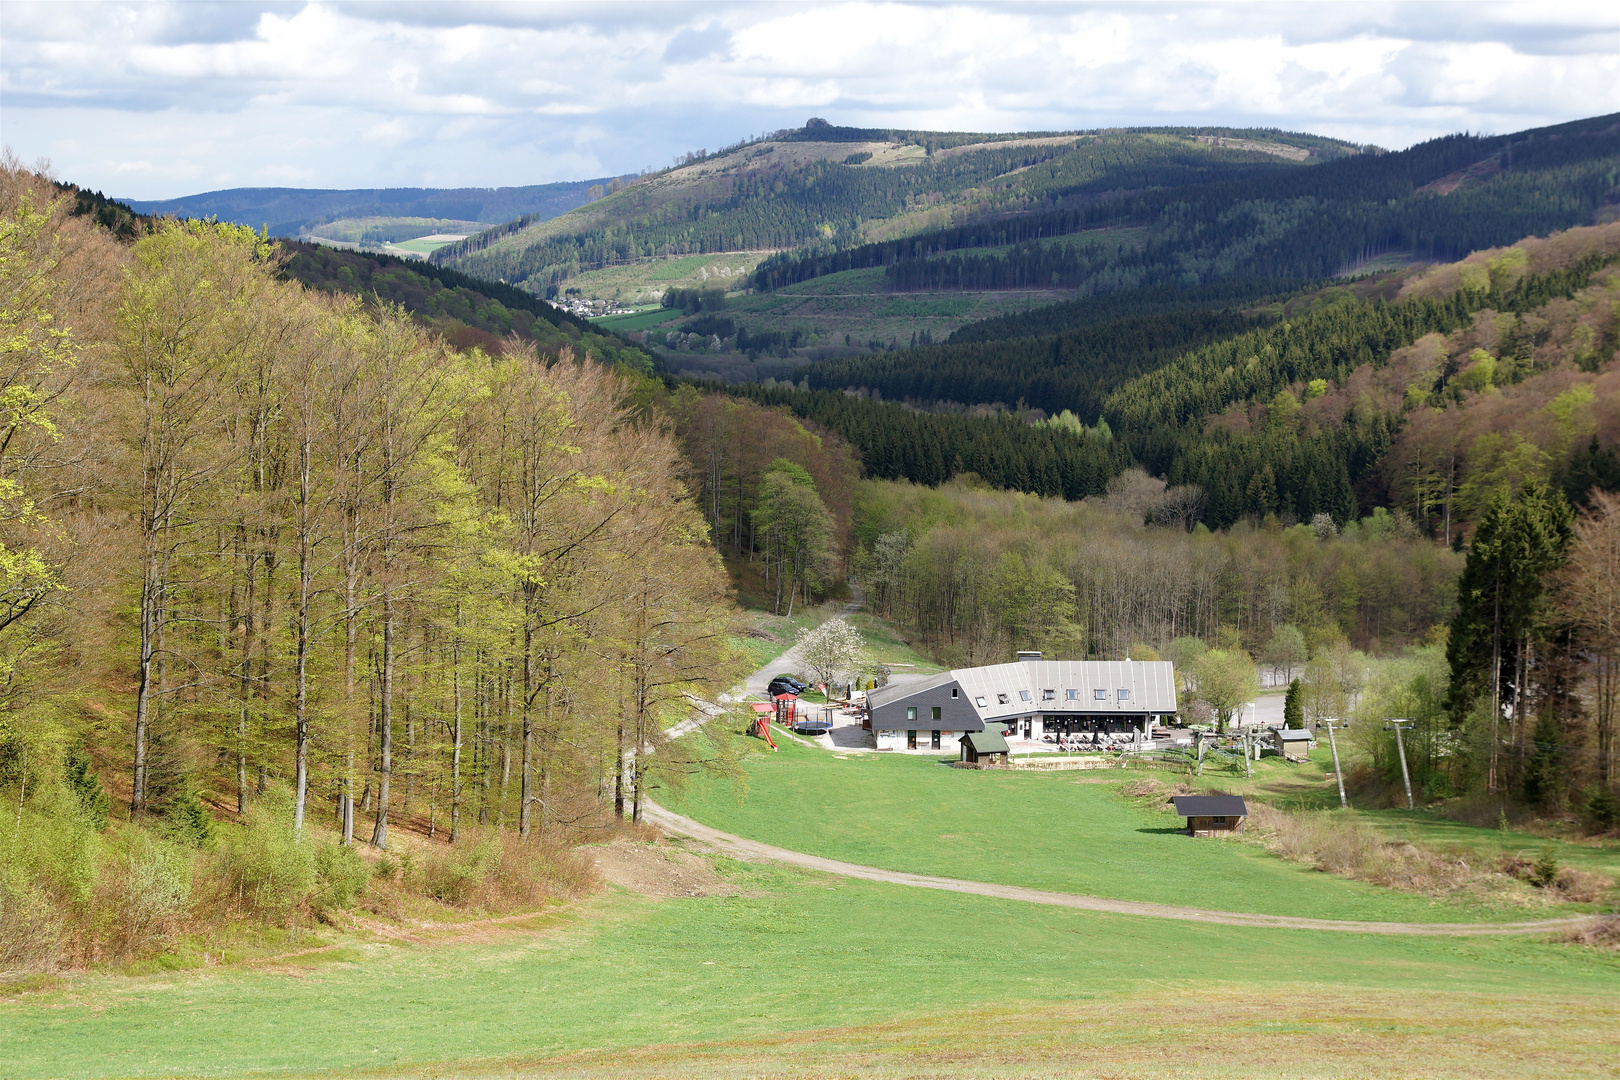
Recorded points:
(1100,701)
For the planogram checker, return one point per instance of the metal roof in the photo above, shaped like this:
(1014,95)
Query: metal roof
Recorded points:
(1051,688)
(1294,735)
(1211,806)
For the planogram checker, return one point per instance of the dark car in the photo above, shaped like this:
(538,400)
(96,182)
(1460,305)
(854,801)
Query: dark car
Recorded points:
(786,684)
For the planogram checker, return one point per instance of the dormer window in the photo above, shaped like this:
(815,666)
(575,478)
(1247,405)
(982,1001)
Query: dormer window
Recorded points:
(1124,695)
(1002,699)
(1048,695)
(1100,695)
(979,701)
(1024,695)
(1071,695)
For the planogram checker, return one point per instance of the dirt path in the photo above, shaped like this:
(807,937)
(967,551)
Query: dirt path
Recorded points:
(742,848)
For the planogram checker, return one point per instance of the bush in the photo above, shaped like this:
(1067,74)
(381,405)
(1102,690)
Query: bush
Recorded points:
(266,866)
(148,893)
(342,876)
(30,930)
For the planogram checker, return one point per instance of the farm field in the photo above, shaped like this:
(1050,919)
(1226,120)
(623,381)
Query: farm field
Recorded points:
(795,973)
(640,320)
(1058,831)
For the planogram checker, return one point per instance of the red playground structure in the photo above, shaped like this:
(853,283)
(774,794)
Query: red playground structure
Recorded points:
(762,722)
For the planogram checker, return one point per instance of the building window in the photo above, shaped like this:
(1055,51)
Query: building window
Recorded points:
(1100,695)
(1048,695)
(1217,820)
(1024,694)
(1001,699)
(936,712)
(1124,695)
(911,712)
(1072,695)
(979,701)
(953,691)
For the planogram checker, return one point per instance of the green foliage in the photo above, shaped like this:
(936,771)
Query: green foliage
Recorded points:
(86,787)
(1294,707)
(1227,682)
(1519,542)
(1543,781)
(1075,370)
(692,301)
(341,876)
(1600,809)
(187,820)
(266,866)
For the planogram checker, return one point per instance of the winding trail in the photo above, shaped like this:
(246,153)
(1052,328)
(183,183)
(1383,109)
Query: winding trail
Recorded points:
(743,848)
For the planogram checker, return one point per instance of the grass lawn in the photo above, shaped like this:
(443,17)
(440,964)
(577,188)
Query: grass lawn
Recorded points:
(641,320)
(801,974)
(1059,831)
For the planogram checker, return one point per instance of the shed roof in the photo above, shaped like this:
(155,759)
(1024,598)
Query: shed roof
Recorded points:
(1294,735)
(1211,806)
(986,742)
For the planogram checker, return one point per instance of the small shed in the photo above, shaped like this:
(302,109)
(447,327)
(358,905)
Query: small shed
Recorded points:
(984,748)
(1212,815)
(1295,743)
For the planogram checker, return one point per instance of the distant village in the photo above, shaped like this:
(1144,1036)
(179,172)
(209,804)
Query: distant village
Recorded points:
(589,307)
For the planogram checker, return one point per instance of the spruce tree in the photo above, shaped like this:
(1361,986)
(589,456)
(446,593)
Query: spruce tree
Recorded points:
(1294,707)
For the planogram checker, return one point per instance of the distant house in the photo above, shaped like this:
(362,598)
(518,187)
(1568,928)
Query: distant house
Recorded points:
(1212,815)
(1092,700)
(984,748)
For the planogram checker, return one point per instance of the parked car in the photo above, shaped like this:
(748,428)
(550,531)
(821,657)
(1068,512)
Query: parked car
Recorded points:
(786,684)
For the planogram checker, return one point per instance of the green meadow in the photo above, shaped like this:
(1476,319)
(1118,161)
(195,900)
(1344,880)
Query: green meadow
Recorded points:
(1064,831)
(795,954)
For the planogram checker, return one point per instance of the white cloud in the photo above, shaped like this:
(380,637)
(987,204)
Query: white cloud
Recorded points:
(149,99)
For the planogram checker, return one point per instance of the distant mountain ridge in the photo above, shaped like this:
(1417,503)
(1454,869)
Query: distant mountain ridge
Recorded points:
(289,211)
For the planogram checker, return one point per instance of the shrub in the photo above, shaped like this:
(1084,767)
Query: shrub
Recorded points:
(148,893)
(30,930)
(342,876)
(266,866)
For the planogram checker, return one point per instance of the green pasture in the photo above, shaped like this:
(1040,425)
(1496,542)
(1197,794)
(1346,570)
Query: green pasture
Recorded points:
(792,952)
(1068,832)
(425,247)
(640,320)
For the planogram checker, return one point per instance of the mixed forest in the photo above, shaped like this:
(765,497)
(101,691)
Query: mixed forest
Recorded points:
(276,556)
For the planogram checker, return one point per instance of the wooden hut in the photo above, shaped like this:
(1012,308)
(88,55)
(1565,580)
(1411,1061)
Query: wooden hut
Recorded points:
(984,748)
(1294,743)
(1212,815)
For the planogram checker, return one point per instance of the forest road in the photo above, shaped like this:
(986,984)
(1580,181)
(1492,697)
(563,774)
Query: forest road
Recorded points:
(742,848)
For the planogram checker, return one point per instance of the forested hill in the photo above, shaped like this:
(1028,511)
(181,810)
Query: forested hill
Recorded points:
(290,211)
(465,311)
(846,187)
(1435,201)
(1425,392)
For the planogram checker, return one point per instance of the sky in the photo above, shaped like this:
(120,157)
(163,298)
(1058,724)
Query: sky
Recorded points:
(161,99)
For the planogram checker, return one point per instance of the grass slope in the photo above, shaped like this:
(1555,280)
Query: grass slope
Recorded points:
(872,971)
(1067,832)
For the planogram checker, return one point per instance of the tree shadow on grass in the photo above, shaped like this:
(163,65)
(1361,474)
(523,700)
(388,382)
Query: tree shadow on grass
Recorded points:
(1165,830)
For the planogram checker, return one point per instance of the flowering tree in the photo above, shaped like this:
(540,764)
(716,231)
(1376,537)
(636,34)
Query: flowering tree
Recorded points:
(834,646)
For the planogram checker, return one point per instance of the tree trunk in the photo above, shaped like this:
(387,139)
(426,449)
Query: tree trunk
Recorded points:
(379,832)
